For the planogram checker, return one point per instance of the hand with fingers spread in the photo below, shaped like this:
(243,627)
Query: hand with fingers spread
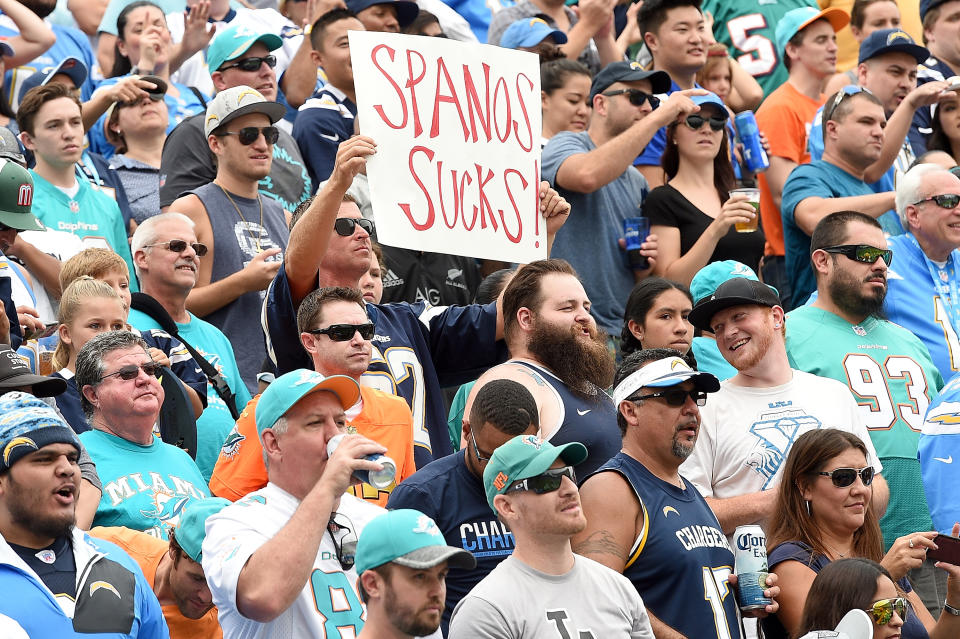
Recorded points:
(196,34)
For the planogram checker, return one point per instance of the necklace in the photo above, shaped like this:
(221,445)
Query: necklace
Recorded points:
(839,554)
(255,238)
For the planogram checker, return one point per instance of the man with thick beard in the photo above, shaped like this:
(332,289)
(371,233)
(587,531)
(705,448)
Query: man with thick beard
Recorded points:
(56,580)
(560,356)
(843,335)
(750,424)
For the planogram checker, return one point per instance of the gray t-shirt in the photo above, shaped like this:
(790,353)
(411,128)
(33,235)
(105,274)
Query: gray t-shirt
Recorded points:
(515,601)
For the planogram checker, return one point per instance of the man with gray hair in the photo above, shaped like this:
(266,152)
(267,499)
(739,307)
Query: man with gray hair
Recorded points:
(922,289)
(146,483)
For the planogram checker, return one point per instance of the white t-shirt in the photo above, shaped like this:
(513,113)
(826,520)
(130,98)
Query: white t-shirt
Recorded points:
(746,433)
(61,245)
(327,607)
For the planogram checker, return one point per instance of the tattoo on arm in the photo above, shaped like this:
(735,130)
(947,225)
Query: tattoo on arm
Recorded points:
(601,542)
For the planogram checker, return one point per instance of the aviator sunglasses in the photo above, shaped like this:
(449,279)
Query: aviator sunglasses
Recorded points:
(882,611)
(843,477)
(179,246)
(130,371)
(546,482)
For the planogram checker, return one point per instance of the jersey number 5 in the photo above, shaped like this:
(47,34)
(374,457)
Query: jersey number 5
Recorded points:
(760,55)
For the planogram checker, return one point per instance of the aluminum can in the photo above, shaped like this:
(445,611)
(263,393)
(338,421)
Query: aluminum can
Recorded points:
(750,566)
(635,231)
(754,157)
(379,479)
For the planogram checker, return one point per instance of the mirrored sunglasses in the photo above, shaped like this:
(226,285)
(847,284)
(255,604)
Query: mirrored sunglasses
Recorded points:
(882,611)
(862,253)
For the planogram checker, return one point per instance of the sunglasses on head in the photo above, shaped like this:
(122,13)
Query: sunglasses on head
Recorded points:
(179,246)
(862,253)
(843,477)
(636,97)
(676,397)
(546,482)
(345,226)
(945,201)
(841,95)
(696,122)
(250,134)
(252,64)
(346,546)
(882,611)
(130,371)
(345,332)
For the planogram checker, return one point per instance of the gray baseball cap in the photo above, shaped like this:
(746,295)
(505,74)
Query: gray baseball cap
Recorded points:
(236,101)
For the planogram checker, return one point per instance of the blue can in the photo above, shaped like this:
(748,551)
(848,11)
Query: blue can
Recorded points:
(377,478)
(635,232)
(755,158)
(750,566)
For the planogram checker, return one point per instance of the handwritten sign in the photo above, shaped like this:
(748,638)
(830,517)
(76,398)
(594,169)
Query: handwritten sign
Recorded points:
(457,128)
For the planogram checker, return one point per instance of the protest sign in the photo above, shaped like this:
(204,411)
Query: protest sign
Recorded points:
(457,128)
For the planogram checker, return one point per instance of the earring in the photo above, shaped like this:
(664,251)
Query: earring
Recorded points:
(807,502)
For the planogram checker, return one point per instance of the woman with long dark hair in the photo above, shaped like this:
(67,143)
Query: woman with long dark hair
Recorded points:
(656,317)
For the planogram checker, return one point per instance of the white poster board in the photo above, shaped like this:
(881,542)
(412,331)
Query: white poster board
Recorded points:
(457,128)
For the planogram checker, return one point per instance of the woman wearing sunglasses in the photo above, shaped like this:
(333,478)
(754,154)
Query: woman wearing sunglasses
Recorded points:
(693,214)
(824,513)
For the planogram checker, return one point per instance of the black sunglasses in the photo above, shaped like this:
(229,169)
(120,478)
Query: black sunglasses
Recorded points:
(862,253)
(345,332)
(250,134)
(179,246)
(636,96)
(252,64)
(546,482)
(346,547)
(696,122)
(345,226)
(945,201)
(677,397)
(843,477)
(130,371)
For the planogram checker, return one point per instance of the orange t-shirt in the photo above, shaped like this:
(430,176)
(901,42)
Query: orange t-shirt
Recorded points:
(785,117)
(147,551)
(384,418)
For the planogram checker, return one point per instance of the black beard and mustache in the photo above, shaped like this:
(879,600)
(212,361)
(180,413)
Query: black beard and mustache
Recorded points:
(585,366)
(845,291)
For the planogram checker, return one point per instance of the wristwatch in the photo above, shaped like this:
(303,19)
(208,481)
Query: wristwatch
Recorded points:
(953,611)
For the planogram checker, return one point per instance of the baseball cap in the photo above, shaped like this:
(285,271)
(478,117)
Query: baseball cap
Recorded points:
(856,624)
(711,98)
(26,425)
(925,6)
(233,42)
(736,291)
(629,72)
(796,20)
(409,538)
(662,373)
(16,197)
(707,279)
(525,456)
(891,41)
(407,12)
(288,389)
(530,32)
(74,68)
(236,101)
(191,529)
(5,49)
(10,147)
(15,372)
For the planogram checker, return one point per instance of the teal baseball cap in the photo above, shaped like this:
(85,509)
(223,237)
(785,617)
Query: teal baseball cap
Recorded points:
(707,279)
(233,42)
(191,530)
(409,538)
(796,20)
(523,457)
(288,389)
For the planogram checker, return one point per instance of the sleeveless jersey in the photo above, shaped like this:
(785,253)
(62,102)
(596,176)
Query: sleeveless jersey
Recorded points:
(593,423)
(681,559)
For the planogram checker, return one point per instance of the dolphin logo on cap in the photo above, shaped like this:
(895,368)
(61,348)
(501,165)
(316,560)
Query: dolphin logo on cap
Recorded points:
(14,443)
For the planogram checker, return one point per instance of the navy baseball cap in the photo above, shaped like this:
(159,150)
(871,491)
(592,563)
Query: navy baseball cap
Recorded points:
(530,32)
(891,41)
(629,72)
(73,68)
(926,5)
(407,11)
(737,291)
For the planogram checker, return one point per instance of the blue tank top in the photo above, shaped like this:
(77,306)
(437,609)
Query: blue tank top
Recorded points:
(680,561)
(592,422)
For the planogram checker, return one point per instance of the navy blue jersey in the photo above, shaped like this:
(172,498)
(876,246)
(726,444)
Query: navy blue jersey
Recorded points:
(681,559)
(592,422)
(931,70)
(446,491)
(68,403)
(417,350)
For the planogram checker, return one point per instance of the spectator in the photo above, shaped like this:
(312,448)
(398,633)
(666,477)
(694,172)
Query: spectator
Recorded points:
(173,569)
(146,482)
(536,36)
(940,158)
(48,561)
(945,126)
(822,514)
(245,233)
(749,425)
(402,564)
(866,16)
(853,124)
(841,335)
(560,356)
(272,569)
(384,15)
(938,18)
(236,57)
(336,332)
(693,214)
(531,485)
(425,24)
(450,490)
(659,429)
(656,316)
(371,284)
(593,169)
(38,44)
(168,276)
(565,98)
(716,75)
(807,40)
